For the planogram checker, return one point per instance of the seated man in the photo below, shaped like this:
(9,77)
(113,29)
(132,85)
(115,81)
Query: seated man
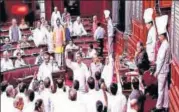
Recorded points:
(19,61)
(91,51)
(81,52)
(18,49)
(78,28)
(6,63)
(14,32)
(23,25)
(7,44)
(24,42)
(141,58)
(40,58)
(39,36)
(71,46)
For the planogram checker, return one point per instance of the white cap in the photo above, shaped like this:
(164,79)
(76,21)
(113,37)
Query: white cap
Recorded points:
(78,18)
(148,15)
(106,13)
(161,23)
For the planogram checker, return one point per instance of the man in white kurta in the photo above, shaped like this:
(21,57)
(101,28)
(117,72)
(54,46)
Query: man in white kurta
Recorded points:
(39,36)
(46,69)
(108,70)
(78,28)
(162,63)
(115,99)
(6,63)
(80,71)
(55,15)
(151,36)
(70,47)
(110,31)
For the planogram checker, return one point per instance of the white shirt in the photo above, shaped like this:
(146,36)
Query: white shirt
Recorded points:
(80,73)
(17,51)
(151,42)
(75,106)
(70,47)
(46,70)
(108,71)
(29,107)
(91,53)
(47,100)
(110,28)
(19,63)
(78,29)
(54,17)
(39,36)
(117,103)
(99,33)
(6,65)
(59,105)
(163,58)
(95,68)
(7,105)
(91,98)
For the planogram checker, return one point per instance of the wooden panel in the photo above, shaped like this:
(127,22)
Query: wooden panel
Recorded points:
(119,43)
(174,90)
(48,9)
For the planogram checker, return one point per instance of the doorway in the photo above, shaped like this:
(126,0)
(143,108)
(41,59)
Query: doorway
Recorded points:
(73,6)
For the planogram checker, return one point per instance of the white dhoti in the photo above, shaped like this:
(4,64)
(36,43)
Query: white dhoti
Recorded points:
(110,45)
(59,58)
(163,98)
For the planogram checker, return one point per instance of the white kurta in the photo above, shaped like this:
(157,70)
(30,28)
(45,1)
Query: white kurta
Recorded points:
(46,70)
(108,72)
(117,103)
(6,65)
(151,42)
(47,100)
(7,105)
(19,63)
(95,68)
(80,73)
(54,18)
(29,107)
(39,36)
(78,29)
(59,105)
(91,53)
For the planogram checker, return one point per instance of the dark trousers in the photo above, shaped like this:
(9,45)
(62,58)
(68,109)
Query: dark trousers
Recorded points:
(101,46)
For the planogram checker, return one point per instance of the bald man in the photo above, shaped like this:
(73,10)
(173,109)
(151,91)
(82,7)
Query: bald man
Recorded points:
(14,32)
(6,63)
(78,28)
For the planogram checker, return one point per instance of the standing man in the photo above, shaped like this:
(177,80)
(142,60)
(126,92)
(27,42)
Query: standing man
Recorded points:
(55,15)
(39,36)
(80,71)
(14,32)
(65,15)
(110,31)
(99,36)
(162,64)
(58,41)
(151,37)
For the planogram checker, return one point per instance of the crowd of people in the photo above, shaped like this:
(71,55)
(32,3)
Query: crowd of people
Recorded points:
(93,88)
